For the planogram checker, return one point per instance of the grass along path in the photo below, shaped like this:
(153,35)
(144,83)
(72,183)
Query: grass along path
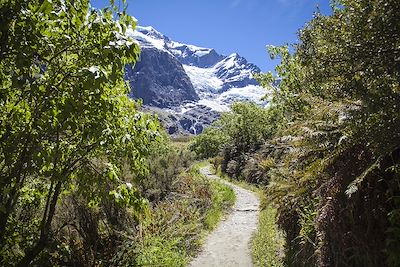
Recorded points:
(268,242)
(229,244)
(178,223)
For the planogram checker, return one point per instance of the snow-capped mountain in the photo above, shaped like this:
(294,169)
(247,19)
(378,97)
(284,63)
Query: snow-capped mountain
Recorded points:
(189,85)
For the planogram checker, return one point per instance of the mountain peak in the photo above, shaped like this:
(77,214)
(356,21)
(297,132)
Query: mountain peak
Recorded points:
(191,83)
(147,29)
(151,32)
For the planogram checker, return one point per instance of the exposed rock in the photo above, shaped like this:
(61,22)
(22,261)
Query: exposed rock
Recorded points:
(186,85)
(160,80)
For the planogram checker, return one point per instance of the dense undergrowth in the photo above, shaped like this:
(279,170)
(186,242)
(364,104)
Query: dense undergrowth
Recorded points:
(178,223)
(268,242)
(327,149)
(86,178)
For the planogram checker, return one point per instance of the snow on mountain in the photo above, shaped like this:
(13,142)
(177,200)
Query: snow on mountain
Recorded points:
(148,37)
(235,71)
(210,88)
(204,80)
(194,55)
(218,80)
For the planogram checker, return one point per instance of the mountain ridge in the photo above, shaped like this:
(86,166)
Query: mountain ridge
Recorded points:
(189,82)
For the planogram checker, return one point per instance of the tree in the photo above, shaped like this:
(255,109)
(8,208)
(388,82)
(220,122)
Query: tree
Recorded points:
(335,179)
(209,143)
(63,104)
(247,124)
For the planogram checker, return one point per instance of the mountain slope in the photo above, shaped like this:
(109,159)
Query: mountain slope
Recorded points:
(163,76)
(190,84)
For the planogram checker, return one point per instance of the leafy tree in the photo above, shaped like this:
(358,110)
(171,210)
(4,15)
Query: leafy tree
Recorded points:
(236,133)
(247,124)
(63,105)
(209,143)
(335,176)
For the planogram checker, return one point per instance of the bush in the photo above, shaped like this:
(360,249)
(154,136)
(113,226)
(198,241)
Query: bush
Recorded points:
(175,231)
(209,143)
(332,177)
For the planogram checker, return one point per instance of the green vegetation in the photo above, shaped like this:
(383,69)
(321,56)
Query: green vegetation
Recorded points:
(251,187)
(181,141)
(268,242)
(69,133)
(222,198)
(330,154)
(209,143)
(86,179)
(178,223)
(236,133)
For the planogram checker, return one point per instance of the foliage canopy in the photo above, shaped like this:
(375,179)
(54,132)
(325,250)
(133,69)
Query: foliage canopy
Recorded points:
(331,157)
(66,123)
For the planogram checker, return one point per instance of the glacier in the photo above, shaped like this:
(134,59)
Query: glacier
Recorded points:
(217,80)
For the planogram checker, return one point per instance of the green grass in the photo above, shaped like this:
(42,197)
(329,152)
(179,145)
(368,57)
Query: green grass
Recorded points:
(179,225)
(157,251)
(268,241)
(200,164)
(181,142)
(223,197)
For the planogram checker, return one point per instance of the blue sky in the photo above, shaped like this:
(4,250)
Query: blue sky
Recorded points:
(228,26)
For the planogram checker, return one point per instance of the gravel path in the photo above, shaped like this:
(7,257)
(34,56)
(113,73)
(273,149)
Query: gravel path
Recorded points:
(229,244)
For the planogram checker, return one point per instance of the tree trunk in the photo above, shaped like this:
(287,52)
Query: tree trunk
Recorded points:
(31,254)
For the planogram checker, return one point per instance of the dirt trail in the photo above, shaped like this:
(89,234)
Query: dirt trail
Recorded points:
(229,244)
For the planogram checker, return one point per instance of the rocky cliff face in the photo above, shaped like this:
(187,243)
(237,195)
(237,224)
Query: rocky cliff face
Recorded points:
(194,56)
(189,86)
(235,72)
(160,80)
